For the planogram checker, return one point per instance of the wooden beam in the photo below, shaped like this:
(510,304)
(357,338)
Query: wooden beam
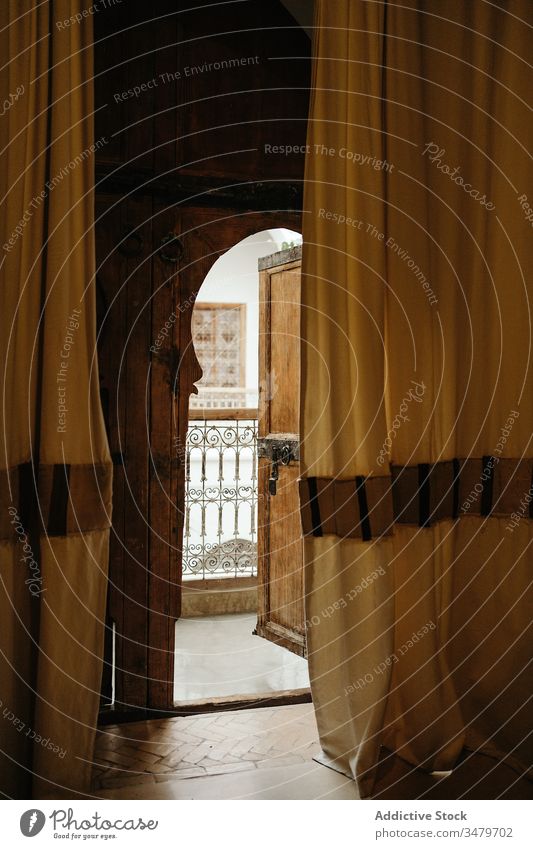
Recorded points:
(176,187)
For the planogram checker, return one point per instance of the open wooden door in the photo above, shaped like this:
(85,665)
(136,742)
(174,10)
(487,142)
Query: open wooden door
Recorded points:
(281,616)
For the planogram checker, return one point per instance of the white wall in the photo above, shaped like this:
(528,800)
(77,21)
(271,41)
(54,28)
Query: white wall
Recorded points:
(234,279)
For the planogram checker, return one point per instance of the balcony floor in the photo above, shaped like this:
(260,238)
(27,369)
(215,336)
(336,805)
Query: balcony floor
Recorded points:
(218,656)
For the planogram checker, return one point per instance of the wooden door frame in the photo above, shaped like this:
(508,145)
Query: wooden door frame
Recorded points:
(146,650)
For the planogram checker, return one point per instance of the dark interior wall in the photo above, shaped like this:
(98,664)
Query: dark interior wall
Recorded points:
(202,90)
(189,105)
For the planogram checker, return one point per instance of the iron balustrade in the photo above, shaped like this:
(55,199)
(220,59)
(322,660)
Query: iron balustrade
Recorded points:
(220,534)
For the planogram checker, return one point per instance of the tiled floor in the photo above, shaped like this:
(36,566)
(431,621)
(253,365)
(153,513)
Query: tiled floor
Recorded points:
(219,656)
(191,747)
(299,781)
(266,753)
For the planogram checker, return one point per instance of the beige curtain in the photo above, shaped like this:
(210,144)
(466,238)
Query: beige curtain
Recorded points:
(417,403)
(55,468)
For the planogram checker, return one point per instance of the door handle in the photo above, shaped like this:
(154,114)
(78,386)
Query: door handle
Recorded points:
(273,479)
(280,450)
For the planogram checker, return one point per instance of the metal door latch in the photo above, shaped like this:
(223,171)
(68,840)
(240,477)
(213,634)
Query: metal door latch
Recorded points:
(280,449)
(273,479)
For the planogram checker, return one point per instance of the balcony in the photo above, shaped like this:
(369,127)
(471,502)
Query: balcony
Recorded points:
(220,534)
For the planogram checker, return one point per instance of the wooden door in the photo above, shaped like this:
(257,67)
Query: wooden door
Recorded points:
(280,556)
(138,338)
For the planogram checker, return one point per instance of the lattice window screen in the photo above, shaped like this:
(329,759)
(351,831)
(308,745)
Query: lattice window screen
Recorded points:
(218,332)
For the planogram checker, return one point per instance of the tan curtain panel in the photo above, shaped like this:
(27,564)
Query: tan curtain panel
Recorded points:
(55,472)
(417,404)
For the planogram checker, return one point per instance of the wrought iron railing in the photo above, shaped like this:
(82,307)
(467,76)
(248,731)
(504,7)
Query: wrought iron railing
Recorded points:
(220,534)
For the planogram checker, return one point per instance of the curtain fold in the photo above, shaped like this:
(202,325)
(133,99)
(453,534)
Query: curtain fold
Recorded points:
(55,467)
(416,387)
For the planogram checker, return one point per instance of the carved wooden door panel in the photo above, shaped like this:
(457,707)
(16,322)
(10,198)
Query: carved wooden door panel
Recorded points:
(138,338)
(280,548)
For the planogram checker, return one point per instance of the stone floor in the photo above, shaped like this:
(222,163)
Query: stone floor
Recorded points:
(219,656)
(209,744)
(299,781)
(266,753)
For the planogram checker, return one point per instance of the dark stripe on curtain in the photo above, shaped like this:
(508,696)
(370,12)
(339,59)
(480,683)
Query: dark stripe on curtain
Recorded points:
(315,507)
(57,516)
(366,532)
(57,500)
(423,495)
(486,495)
(456,483)
(417,496)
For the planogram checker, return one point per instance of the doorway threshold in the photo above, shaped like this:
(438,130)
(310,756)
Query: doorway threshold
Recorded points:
(244,702)
(115,715)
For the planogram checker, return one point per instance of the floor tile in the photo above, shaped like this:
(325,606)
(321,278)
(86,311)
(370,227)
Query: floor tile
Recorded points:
(189,747)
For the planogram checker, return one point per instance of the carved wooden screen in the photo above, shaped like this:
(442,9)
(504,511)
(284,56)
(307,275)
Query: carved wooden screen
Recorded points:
(219,336)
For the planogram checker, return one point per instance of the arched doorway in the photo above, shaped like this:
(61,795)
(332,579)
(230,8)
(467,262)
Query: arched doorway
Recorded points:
(217,654)
(150,369)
